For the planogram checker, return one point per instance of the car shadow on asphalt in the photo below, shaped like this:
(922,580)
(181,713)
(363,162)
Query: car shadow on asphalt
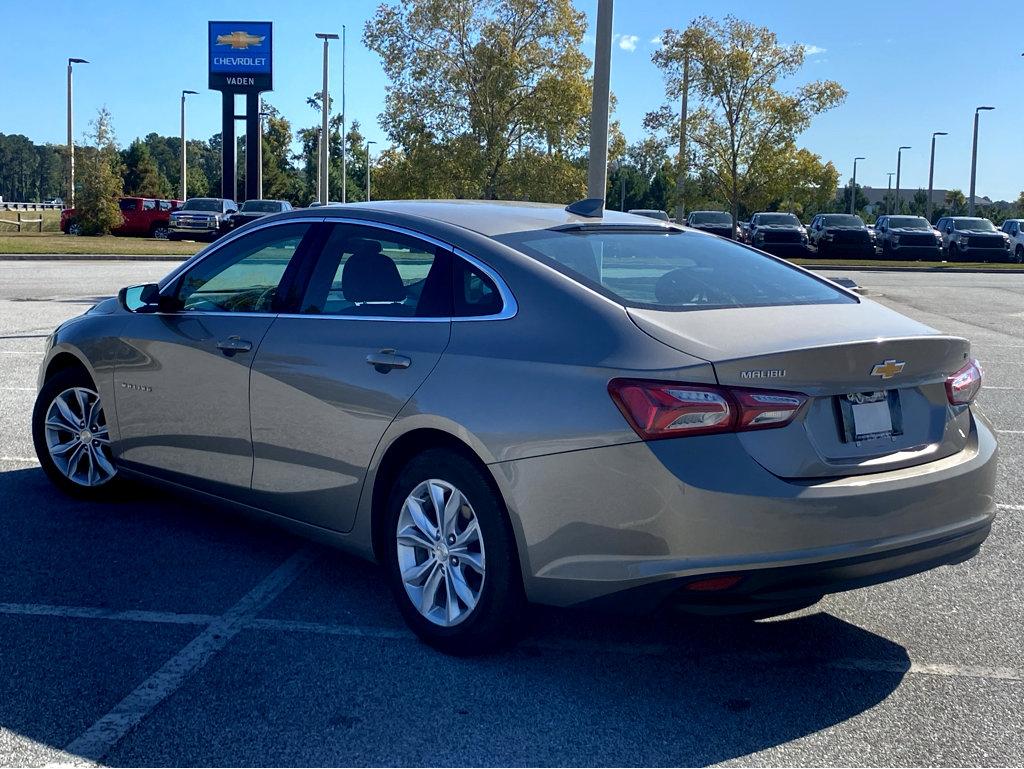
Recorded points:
(579,688)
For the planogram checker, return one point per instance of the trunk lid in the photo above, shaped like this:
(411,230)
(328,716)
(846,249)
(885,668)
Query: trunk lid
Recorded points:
(840,356)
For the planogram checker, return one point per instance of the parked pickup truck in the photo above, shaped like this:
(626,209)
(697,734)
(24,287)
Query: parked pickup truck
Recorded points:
(202,219)
(142,217)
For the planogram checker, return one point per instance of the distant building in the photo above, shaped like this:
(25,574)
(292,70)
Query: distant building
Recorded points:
(876,197)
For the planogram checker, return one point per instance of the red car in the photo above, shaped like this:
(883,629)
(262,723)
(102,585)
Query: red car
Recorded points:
(143,217)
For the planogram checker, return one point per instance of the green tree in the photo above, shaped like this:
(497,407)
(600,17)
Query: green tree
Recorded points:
(743,117)
(142,178)
(102,184)
(473,82)
(956,203)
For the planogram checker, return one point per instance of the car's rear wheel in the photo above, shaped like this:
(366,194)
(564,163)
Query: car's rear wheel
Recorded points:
(71,435)
(1018,254)
(159,231)
(451,555)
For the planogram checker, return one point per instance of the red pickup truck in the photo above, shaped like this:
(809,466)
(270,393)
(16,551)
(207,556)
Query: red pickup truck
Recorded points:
(143,217)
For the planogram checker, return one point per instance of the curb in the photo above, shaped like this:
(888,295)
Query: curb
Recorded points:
(860,268)
(94,257)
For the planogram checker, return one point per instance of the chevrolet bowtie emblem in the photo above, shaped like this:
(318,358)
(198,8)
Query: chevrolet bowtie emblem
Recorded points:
(888,369)
(240,40)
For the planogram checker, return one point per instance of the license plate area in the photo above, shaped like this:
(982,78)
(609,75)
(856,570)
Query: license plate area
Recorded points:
(870,416)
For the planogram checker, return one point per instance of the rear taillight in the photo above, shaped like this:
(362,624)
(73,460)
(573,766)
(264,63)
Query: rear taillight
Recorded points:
(658,410)
(965,384)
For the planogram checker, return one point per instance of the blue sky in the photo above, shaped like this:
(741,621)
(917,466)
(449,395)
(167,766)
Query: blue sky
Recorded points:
(911,68)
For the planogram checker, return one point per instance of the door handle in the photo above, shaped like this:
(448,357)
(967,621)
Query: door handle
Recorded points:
(385,360)
(234,344)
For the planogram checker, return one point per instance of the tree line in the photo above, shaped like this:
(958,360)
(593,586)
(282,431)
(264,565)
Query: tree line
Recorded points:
(491,99)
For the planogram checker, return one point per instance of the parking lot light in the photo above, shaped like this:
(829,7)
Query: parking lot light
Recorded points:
(931,173)
(184,165)
(368,143)
(325,130)
(899,158)
(974,158)
(71,139)
(853,190)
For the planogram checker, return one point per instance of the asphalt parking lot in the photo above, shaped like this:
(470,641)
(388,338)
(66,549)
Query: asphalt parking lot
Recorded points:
(157,631)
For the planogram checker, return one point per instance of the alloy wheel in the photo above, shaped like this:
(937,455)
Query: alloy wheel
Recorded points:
(77,437)
(440,552)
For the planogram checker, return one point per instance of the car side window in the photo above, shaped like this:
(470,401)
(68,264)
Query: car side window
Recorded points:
(245,274)
(366,271)
(164,205)
(127,204)
(148,205)
(475,294)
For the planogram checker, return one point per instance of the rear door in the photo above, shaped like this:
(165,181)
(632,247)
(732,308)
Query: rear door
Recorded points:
(330,379)
(182,377)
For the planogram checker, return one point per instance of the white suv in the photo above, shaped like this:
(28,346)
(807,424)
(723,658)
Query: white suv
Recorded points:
(1014,229)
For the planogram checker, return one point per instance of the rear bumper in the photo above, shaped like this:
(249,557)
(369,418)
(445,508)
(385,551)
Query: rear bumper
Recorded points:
(636,524)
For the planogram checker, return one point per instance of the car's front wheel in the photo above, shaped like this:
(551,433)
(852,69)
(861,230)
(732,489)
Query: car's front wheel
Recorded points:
(1018,254)
(450,555)
(71,435)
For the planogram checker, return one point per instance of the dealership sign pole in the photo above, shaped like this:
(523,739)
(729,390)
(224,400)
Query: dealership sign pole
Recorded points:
(241,61)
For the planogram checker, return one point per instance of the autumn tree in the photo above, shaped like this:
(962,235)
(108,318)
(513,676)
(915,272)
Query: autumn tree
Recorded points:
(743,117)
(98,211)
(474,82)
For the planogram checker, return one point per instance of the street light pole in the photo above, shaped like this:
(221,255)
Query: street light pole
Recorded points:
(931,174)
(325,103)
(184,164)
(259,168)
(888,197)
(368,143)
(344,118)
(899,159)
(71,137)
(683,164)
(974,158)
(853,190)
(597,171)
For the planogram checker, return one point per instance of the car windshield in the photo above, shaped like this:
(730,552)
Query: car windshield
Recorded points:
(673,270)
(711,217)
(974,225)
(843,220)
(202,204)
(788,219)
(260,207)
(908,223)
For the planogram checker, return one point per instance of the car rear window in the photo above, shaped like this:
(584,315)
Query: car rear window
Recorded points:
(673,270)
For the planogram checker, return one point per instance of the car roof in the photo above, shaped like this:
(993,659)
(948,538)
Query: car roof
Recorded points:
(490,217)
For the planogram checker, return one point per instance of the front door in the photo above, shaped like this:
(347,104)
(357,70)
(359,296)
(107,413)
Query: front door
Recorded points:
(329,380)
(182,378)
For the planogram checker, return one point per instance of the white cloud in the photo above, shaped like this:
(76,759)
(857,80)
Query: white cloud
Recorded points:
(813,50)
(656,40)
(628,42)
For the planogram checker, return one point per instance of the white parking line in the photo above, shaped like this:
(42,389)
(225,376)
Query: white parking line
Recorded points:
(99,738)
(1015,508)
(1010,432)
(19,389)
(992,387)
(40,353)
(23,460)
(89,612)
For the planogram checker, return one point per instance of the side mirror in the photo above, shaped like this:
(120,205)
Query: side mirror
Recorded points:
(144,298)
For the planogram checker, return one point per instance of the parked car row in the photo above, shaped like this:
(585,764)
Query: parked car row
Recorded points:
(955,238)
(194,219)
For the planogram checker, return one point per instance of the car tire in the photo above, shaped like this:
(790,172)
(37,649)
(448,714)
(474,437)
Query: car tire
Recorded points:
(159,231)
(954,253)
(74,228)
(466,601)
(1018,254)
(86,468)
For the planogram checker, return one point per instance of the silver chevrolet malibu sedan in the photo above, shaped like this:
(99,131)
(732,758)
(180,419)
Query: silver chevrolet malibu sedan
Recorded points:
(506,403)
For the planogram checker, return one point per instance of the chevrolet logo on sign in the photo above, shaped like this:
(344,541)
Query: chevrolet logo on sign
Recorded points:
(240,40)
(888,369)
